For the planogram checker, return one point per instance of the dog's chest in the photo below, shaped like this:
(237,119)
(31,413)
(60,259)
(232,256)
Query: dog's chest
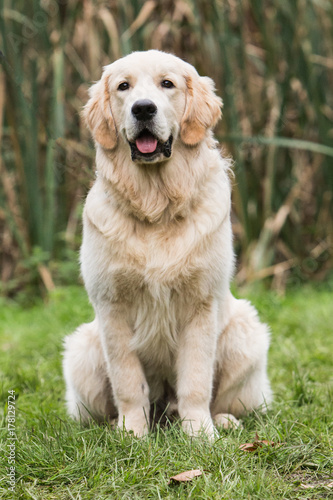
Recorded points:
(161,268)
(184,259)
(129,253)
(164,256)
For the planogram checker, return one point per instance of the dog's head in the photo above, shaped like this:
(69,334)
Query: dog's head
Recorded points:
(147,101)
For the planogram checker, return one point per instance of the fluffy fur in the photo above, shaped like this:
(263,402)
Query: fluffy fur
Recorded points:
(157,260)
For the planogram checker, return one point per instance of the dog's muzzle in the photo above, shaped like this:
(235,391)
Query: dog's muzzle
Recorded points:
(146,146)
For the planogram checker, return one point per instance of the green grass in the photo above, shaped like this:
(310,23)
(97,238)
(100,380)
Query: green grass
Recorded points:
(58,459)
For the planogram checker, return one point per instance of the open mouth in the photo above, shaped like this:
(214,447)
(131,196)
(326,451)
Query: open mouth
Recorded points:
(147,146)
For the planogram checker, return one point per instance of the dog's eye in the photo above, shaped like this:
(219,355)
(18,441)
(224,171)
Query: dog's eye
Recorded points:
(123,86)
(167,84)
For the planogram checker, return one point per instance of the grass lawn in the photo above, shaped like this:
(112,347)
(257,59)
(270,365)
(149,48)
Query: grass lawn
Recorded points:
(56,458)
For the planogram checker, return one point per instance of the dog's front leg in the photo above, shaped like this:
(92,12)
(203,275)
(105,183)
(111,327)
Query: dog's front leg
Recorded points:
(128,381)
(195,364)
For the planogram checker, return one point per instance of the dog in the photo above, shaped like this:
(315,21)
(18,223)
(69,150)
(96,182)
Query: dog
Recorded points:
(157,259)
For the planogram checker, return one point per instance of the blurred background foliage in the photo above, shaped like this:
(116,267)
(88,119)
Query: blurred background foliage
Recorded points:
(272,62)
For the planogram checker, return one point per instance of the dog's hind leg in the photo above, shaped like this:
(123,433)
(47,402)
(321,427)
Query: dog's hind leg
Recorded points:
(88,390)
(240,383)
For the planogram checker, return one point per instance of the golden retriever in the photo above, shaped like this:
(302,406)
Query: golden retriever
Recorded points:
(157,259)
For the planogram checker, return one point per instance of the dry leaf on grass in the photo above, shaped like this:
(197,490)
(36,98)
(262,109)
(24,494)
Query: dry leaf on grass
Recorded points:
(308,486)
(257,443)
(316,485)
(188,475)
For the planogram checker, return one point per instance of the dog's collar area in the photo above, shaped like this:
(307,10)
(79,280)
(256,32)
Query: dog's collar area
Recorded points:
(148,142)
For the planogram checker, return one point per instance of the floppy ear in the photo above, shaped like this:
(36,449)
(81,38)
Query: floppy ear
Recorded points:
(98,116)
(202,110)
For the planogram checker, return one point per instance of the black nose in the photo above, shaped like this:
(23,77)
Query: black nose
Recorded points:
(144,109)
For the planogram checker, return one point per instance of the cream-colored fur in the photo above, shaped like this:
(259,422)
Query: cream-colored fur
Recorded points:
(157,261)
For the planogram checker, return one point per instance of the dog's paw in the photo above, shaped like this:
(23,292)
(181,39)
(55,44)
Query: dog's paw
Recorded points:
(227,421)
(197,427)
(134,423)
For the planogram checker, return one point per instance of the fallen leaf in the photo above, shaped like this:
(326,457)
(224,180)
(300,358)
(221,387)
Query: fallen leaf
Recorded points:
(249,446)
(257,443)
(316,485)
(185,476)
(308,486)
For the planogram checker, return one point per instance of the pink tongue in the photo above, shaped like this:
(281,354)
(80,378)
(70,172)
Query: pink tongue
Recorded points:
(146,144)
